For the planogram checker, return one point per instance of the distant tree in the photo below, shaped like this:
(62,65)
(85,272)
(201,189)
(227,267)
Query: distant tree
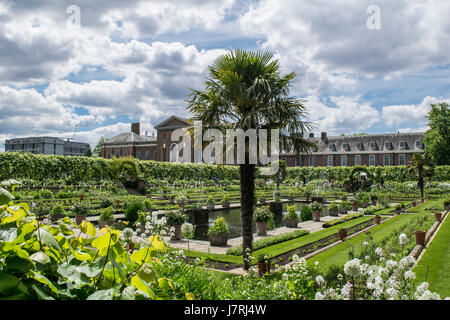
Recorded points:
(437,138)
(98,148)
(88,153)
(422,166)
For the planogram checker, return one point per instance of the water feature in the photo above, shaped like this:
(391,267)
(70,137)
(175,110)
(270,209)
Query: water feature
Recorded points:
(233,219)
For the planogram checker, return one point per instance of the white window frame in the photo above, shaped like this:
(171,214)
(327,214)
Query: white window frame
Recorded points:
(373,145)
(328,161)
(374,159)
(420,146)
(404,145)
(389,145)
(346,146)
(386,156)
(404,159)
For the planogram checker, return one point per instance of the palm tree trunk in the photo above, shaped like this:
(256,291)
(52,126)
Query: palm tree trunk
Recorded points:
(421,184)
(247,183)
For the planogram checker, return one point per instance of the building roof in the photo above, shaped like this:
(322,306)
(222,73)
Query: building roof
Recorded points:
(166,123)
(130,137)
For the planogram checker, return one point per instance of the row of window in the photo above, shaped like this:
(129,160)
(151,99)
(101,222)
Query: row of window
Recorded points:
(372,162)
(373,145)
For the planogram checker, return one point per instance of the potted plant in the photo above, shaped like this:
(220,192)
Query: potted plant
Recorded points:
(181,200)
(276,207)
(57,213)
(342,233)
(175,219)
(420,237)
(355,205)
(364,199)
(344,207)
(218,232)
(226,201)
(263,263)
(316,208)
(81,211)
(291,218)
(262,215)
(307,195)
(377,219)
(210,203)
(446,204)
(413,204)
(262,200)
(438,216)
(147,204)
(399,208)
(106,217)
(333,209)
(374,198)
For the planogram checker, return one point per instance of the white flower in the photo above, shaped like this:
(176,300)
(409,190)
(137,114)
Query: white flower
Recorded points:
(346,290)
(127,233)
(148,218)
(367,257)
(316,263)
(320,280)
(320,296)
(391,264)
(403,239)
(353,267)
(392,293)
(379,252)
(365,243)
(410,275)
(138,224)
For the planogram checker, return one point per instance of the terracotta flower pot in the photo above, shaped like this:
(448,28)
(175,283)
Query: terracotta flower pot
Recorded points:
(263,268)
(377,219)
(374,202)
(177,234)
(262,228)
(218,240)
(342,211)
(316,215)
(81,196)
(413,204)
(354,206)
(438,216)
(342,234)
(79,218)
(420,237)
(291,223)
(102,224)
(364,205)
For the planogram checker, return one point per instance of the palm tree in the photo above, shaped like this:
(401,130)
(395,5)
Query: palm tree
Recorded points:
(245,90)
(421,165)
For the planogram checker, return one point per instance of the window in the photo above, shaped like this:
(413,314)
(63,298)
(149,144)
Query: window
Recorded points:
(346,146)
(138,155)
(360,146)
(402,145)
(332,147)
(330,161)
(373,145)
(387,145)
(344,161)
(357,160)
(297,161)
(372,160)
(386,160)
(154,155)
(419,144)
(401,160)
(311,161)
(147,155)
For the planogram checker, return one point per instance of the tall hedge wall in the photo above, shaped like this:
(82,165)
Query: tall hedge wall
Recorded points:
(30,166)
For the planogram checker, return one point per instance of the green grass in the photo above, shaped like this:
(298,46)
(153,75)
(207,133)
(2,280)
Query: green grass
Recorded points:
(338,255)
(437,257)
(293,244)
(430,204)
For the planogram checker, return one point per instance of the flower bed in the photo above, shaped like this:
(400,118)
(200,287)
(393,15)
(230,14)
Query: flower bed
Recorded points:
(342,219)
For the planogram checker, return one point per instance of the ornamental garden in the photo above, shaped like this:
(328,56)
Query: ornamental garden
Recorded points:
(91,228)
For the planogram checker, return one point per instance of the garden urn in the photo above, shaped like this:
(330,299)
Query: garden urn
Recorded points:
(291,223)
(420,237)
(354,206)
(316,215)
(438,216)
(263,268)
(81,196)
(79,218)
(333,213)
(342,210)
(176,234)
(218,240)
(262,228)
(342,234)
(377,219)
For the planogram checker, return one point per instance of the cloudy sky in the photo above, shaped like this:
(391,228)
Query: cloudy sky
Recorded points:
(100,65)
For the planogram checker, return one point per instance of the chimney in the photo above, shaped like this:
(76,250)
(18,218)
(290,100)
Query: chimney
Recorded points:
(136,128)
(311,134)
(323,136)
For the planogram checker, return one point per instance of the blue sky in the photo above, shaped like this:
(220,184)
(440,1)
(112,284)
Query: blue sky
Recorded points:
(122,62)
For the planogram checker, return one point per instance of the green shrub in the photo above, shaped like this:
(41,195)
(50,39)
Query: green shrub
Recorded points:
(219,226)
(306,213)
(333,206)
(175,217)
(316,206)
(131,211)
(107,202)
(58,211)
(262,214)
(291,213)
(346,205)
(80,208)
(107,215)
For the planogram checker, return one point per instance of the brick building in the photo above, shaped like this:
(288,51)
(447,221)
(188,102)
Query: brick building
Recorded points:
(370,150)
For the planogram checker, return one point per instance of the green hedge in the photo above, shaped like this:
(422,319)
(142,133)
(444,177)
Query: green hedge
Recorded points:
(38,167)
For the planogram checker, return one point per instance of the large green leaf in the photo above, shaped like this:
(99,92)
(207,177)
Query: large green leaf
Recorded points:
(15,213)
(5,197)
(40,257)
(47,238)
(107,294)
(104,241)
(7,283)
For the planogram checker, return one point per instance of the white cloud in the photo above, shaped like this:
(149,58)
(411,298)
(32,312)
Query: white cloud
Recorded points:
(417,114)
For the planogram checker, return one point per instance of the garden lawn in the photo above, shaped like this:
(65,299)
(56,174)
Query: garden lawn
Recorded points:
(338,255)
(437,257)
